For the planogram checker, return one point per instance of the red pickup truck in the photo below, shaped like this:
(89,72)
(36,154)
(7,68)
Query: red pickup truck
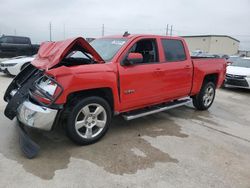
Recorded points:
(84,85)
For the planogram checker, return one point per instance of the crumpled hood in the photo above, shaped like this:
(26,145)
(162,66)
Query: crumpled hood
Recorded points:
(52,53)
(238,71)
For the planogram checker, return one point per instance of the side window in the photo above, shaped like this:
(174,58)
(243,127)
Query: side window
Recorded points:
(174,50)
(3,40)
(148,49)
(7,40)
(20,40)
(26,41)
(17,40)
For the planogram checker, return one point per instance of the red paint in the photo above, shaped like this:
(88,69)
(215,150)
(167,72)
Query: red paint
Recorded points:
(146,84)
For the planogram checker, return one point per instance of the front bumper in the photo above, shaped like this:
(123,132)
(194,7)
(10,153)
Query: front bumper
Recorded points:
(4,70)
(30,112)
(36,116)
(237,81)
(28,146)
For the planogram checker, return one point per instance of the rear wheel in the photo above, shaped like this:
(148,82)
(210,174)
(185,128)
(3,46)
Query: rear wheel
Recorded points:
(88,120)
(205,98)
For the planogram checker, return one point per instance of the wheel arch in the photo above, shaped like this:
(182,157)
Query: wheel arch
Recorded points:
(24,65)
(211,78)
(203,79)
(105,93)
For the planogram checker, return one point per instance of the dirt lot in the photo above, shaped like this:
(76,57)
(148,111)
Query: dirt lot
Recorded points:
(177,148)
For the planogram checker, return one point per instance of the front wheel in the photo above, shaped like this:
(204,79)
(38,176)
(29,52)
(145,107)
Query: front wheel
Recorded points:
(205,98)
(88,120)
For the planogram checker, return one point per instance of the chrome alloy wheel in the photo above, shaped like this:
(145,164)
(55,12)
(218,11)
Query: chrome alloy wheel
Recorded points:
(208,96)
(90,121)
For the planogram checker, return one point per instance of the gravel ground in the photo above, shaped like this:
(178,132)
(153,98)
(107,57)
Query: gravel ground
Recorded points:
(177,148)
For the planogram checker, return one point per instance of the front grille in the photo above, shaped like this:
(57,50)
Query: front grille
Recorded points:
(235,76)
(236,82)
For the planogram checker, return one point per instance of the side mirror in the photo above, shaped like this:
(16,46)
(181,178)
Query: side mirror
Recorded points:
(133,58)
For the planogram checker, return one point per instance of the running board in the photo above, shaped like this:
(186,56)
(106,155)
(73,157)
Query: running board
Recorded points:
(144,112)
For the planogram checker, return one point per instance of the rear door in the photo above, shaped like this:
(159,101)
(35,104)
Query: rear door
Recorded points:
(141,83)
(177,68)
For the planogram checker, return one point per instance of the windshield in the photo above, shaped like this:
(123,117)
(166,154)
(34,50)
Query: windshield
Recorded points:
(241,63)
(107,48)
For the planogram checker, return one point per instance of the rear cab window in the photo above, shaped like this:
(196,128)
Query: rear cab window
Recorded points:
(174,50)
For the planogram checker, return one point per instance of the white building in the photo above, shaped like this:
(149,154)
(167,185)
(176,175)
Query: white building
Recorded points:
(213,44)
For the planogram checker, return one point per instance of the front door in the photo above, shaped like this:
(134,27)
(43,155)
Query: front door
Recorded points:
(141,83)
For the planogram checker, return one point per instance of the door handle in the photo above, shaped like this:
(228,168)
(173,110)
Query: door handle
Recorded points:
(187,67)
(158,70)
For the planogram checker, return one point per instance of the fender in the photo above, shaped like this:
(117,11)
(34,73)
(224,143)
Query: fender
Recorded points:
(81,78)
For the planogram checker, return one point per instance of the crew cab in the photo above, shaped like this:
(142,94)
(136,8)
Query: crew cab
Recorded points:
(13,46)
(84,85)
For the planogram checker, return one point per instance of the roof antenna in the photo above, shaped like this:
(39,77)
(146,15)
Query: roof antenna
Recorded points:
(126,34)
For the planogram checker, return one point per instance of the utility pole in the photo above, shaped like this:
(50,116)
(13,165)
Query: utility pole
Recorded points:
(167,30)
(64,31)
(103,30)
(171,30)
(50,35)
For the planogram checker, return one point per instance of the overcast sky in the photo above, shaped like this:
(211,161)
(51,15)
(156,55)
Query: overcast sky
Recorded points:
(85,18)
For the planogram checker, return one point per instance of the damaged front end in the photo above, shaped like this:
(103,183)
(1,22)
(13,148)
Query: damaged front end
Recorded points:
(31,98)
(33,93)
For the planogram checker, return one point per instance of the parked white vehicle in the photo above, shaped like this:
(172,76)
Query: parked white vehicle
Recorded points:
(14,65)
(3,59)
(238,74)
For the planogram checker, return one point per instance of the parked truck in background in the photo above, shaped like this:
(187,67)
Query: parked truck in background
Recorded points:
(84,85)
(13,46)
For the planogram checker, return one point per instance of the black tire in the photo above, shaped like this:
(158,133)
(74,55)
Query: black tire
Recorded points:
(74,111)
(198,100)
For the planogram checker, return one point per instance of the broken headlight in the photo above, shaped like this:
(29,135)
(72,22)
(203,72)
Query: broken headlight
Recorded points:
(46,90)
(47,85)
